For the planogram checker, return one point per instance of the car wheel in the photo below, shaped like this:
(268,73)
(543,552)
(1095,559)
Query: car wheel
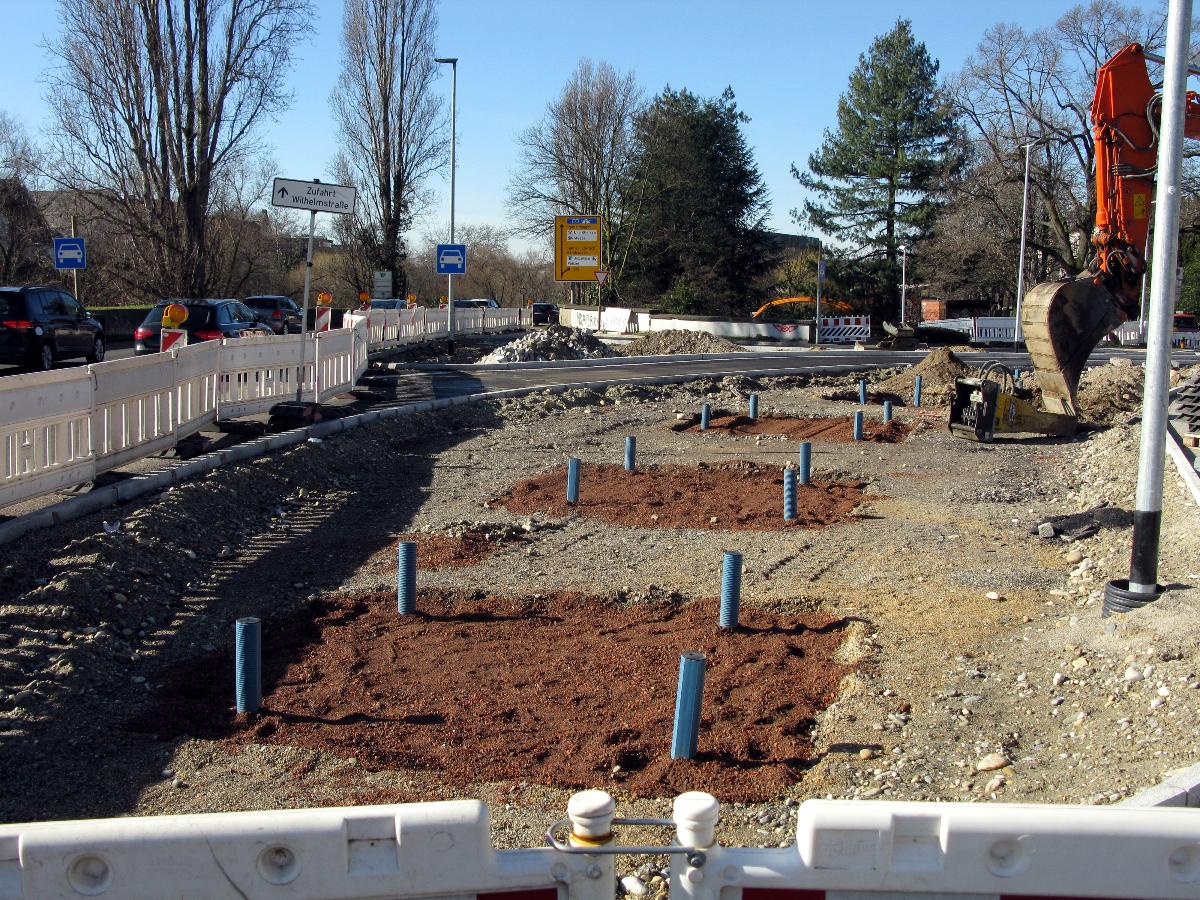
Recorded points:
(45,358)
(97,354)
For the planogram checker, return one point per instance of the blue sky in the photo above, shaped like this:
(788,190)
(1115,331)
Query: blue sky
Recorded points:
(787,61)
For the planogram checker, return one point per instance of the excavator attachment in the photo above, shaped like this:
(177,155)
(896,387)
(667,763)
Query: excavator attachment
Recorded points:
(988,405)
(1063,321)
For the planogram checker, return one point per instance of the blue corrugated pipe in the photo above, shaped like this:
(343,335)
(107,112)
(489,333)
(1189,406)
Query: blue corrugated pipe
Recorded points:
(858,425)
(806,462)
(731,589)
(630,453)
(789,495)
(887,410)
(688,701)
(406,579)
(862,392)
(248,664)
(753,407)
(917,391)
(572,480)
(704,413)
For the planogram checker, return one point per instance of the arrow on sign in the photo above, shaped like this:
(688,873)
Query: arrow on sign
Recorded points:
(283,193)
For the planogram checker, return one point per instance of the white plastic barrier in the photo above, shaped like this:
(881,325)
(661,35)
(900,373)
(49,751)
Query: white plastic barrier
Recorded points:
(1133,334)
(982,330)
(258,372)
(616,319)
(45,438)
(844,329)
(429,850)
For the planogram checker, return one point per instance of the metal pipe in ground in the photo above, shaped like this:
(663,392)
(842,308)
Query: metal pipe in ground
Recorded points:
(887,411)
(806,462)
(1147,516)
(858,425)
(705,413)
(789,494)
(572,480)
(406,578)
(731,589)
(753,407)
(630,453)
(248,664)
(689,698)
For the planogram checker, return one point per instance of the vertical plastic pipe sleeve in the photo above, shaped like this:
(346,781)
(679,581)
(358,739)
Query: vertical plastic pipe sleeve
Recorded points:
(248,664)
(406,579)
(572,480)
(806,462)
(731,589)
(688,700)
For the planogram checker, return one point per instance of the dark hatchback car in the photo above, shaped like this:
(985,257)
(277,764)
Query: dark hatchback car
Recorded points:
(544,313)
(279,313)
(208,320)
(39,325)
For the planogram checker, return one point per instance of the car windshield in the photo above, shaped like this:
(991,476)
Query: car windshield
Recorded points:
(199,316)
(261,302)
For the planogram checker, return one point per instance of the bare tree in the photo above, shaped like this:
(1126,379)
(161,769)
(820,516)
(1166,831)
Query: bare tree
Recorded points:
(574,161)
(157,100)
(391,125)
(24,234)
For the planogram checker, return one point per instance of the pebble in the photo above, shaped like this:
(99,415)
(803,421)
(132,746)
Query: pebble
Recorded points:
(1164,692)
(994,595)
(119,598)
(992,762)
(866,753)
(996,783)
(1059,679)
(1045,530)
(631,884)
(1157,702)
(1074,556)
(870,793)
(1132,674)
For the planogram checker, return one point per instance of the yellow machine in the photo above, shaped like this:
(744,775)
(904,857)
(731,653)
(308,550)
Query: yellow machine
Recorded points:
(989,405)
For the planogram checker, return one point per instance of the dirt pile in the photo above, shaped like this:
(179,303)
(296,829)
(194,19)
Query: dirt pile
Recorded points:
(349,676)
(664,343)
(1110,394)
(555,343)
(735,496)
(464,545)
(937,370)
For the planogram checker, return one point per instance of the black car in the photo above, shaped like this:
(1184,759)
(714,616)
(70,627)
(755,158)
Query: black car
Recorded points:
(278,312)
(208,320)
(544,313)
(39,325)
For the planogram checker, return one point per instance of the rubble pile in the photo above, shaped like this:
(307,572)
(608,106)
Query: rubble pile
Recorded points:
(676,340)
(937,370)
(555,343)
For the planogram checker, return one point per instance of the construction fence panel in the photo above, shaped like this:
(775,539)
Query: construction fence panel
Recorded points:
(256,373)
(134,409)
(335,363)
(844,329)
(45,438)
(425,850)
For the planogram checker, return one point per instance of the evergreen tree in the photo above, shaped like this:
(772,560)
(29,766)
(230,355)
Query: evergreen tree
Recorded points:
(877,176)
(698,205)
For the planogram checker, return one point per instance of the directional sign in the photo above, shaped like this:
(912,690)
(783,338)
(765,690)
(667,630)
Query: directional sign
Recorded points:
(577,248)
(451,259)
(381,285)
(315,196)
(70,253)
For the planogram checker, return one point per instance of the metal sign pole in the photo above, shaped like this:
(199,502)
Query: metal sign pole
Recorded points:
(74,272)
(1147,516)
(820,278)
(312,225)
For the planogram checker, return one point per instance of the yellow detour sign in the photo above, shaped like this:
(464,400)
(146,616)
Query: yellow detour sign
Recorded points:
(174,315)
(577,253)
(324,299)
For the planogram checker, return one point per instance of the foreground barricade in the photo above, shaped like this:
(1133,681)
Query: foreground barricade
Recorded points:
(843,849)
(62,428)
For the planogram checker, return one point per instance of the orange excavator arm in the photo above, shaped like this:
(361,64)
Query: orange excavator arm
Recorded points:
(1125,116)
(840,305)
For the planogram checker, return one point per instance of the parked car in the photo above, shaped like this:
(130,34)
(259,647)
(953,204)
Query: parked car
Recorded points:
(208,320)
(39,325)
(393,303)
(476,304)
(544,313)
(277,311)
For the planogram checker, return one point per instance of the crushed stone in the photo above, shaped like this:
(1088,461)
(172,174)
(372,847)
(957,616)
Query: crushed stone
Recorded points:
(557,342)
(665,343)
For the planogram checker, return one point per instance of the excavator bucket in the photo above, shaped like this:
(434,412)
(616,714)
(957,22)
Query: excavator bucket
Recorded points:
(1063,321)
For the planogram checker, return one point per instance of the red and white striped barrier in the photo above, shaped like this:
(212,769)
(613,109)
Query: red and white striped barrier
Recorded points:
(323,318)
(173,339)
(844,329)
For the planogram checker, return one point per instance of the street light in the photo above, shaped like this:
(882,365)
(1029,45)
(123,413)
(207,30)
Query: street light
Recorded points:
(903,281)
(1021,262)
(451,61)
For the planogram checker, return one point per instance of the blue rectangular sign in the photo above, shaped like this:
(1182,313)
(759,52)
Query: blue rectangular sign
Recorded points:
(451,259)
(70,253)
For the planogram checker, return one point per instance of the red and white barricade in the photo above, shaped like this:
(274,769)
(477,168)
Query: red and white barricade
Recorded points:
(173,339)
(323,318)
(845,329)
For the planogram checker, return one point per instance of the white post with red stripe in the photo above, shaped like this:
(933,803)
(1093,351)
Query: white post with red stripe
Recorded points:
(323,318)
(855,850)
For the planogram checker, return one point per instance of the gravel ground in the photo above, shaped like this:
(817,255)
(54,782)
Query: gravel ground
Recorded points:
(982,669)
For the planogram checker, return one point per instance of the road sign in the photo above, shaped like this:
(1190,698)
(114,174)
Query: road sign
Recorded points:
(69,253)
(451,259)
(601,276)
(821,270)
(381,285)
(314,196)
(577,248)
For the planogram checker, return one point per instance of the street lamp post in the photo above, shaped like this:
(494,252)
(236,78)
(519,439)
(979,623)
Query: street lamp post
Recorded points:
(451,61)
(1021,256)
(903,282)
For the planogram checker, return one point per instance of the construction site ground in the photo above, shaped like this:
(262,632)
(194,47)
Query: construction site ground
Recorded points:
(923,644)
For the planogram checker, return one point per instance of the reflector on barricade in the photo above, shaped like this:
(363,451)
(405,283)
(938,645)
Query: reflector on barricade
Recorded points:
(173,339)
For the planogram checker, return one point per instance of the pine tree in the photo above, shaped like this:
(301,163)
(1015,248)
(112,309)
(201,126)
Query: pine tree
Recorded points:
(877,176)
(698,205)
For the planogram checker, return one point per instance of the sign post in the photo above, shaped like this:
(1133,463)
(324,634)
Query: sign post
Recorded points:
(578,248)
(315,197)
